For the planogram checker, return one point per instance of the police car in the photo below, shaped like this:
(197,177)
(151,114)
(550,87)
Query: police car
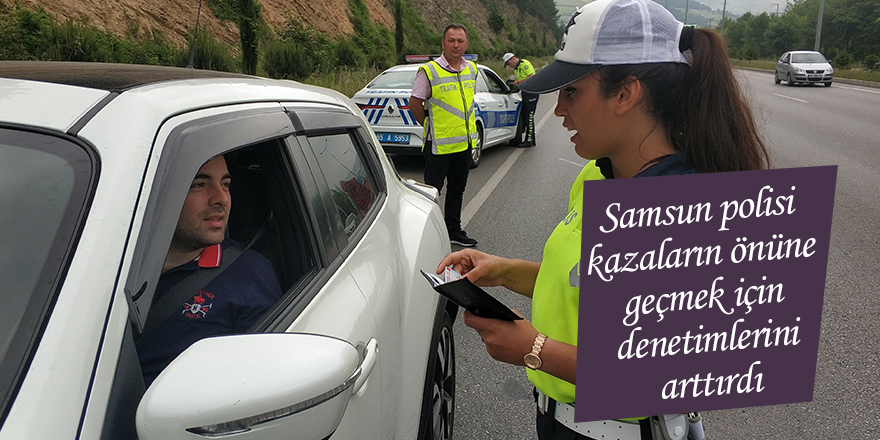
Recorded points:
(385,103)
(95,163)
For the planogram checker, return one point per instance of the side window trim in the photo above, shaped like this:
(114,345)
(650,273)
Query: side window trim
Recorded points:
(306,167)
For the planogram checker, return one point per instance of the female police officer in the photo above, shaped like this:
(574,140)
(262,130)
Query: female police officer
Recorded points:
(645,96)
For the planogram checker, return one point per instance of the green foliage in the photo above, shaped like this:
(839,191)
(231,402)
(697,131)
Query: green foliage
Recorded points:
(35,35)
(223,9)
(250,23)
(209,54)
(496,19)
(842,59)
(349,54)
(398,29)
(849,27)
(321,49)
(419,38)
(871,62)
(287,60)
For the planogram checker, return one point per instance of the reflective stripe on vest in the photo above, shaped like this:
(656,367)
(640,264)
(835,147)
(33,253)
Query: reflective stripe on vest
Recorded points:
(452,122)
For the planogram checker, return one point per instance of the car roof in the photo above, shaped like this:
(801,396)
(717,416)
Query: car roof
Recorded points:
(33,90)
(103,76)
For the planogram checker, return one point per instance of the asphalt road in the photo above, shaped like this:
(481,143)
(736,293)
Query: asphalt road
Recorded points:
(516,197)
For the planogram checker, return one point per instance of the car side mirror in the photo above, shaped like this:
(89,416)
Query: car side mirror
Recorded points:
(252,386)
(830,62)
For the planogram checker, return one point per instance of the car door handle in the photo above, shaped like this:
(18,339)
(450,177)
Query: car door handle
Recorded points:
(371,354)
(482,106)
(500,104)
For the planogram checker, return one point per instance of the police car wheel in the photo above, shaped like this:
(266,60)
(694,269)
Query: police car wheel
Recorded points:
(477,151)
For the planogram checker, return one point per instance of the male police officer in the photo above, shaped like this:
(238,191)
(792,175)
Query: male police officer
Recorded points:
(447,86)
(523,70)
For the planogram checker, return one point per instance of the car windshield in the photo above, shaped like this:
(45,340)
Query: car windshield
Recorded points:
(807,58)
(43,187)
(394,80)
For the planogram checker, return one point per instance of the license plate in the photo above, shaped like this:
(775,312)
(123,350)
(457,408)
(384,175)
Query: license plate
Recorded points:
(393,138)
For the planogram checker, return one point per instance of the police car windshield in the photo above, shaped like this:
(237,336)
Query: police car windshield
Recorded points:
(394,80)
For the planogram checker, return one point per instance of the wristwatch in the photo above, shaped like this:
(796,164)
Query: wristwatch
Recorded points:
(533,358)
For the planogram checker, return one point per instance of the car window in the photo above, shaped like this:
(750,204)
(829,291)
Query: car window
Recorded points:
(346,176)
(807,58)
(493,82)
(784,58)
(482,87)
(394,80)
(44,186)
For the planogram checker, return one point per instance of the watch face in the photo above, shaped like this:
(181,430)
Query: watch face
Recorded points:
(532,361)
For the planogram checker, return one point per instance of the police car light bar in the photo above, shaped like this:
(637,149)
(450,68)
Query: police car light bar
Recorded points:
(426,58)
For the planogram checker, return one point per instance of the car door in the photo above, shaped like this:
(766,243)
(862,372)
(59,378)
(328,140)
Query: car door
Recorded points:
(347,186)
(783,67)
(499,108)
(281,208)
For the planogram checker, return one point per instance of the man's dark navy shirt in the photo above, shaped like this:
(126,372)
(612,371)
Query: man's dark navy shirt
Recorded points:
(231,303)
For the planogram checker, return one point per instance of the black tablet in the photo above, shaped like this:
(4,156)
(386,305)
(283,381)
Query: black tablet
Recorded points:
(474,299)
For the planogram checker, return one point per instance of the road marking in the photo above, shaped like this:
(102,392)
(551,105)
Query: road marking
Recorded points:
(581,165)
(858,89)
(483,194)
(476,203)
(789,97)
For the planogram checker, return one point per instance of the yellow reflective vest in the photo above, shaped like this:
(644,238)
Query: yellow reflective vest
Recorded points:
(451,123)
(556,297)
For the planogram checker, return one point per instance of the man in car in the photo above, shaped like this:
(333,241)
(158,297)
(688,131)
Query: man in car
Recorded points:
(447,85)
(228,300)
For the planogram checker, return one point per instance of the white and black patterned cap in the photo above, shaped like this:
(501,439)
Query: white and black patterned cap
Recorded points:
(610,32)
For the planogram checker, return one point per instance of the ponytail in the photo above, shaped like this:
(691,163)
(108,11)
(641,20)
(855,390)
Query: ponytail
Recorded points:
(701,106)
(714,125)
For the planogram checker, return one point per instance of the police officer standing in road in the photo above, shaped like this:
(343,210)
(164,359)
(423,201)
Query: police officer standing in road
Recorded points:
(523,70)
(645,96)
(447,85)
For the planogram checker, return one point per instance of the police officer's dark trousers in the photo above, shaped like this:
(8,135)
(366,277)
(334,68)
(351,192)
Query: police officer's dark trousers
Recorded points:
(453,168)
(530,104)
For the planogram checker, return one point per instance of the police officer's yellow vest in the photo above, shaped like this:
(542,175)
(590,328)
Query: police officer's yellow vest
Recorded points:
(555,299)
(523,70)
(452,123)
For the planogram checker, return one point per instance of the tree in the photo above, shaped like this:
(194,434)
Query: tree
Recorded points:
(249,24)
(398,29)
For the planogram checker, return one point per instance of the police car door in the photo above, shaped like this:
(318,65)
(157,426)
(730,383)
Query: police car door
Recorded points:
(498,107)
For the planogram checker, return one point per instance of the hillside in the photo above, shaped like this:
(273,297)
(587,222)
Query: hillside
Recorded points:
(174,19)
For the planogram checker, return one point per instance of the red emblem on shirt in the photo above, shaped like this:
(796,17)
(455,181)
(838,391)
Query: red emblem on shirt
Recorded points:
(199,307)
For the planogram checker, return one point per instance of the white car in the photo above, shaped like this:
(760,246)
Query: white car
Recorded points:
(385,103)
(805,67)
(95,163)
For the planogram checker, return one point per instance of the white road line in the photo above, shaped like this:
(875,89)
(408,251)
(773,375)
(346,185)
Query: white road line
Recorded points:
(476,203)
(580,165)
(483,194)
(858,89)
(789,97)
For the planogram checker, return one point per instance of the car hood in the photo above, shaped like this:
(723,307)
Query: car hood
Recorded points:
(367,94)
(812,66)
